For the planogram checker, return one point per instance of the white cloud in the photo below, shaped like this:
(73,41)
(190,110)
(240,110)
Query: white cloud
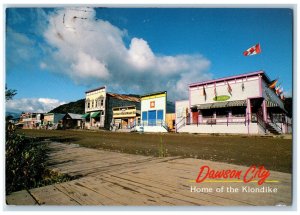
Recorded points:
(43,65)
(39,105)
(92,51)
(89,66)
(140,55)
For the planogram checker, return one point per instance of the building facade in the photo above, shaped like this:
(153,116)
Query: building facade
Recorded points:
(31,120)
(99,106)
(72,121)
(170,120)
(52,119)
(153,112)
(126,117)
(95,101)
(237,104)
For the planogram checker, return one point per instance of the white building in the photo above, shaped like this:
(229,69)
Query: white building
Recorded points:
(236,104)
(153,112)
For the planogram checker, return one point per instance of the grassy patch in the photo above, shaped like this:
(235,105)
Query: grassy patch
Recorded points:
(273,153)
(26,160)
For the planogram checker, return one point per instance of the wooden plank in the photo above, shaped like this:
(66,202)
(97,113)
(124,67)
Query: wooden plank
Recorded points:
(20,198)
(112,178)
(113,194)
(50,195)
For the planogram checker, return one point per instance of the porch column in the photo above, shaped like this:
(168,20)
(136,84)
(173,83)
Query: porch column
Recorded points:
(248,110)
(248,114)
(230,116)
(91,120)
(264,107)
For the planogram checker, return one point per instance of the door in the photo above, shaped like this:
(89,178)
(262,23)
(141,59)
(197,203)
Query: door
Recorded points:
(195,117)
(152,117)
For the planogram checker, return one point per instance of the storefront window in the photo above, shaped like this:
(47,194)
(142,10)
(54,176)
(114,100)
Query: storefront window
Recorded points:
(238,111)
(222,112)
(144,115)
(207,113)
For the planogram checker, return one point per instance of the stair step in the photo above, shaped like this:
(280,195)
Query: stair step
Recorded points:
(271,129)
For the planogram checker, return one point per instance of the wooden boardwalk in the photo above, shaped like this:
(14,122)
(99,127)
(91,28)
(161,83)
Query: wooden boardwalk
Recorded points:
(111,178)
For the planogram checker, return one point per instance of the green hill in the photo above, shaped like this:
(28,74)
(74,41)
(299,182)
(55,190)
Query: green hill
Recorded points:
(72,107)
(78,107)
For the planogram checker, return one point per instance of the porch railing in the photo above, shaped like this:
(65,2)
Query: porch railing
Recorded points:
(180,124)
(222,120)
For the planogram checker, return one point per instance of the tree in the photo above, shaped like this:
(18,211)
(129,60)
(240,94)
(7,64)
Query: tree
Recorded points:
(9,93)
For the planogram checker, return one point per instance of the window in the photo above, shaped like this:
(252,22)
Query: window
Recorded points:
(88,105)
(92,103)
(207,113)
(222,112)
(238,111)
(160,114)
(96,103)
(144,115)
(102,102)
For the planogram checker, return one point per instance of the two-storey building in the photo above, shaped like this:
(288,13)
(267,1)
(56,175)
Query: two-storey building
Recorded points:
(99,106)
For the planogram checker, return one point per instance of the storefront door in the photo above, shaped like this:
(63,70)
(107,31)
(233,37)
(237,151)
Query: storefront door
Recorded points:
(195,117)
(152,117)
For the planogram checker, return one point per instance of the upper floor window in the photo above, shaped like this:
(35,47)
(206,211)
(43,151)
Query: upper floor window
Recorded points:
(102,102)
(88,105)
(92,103)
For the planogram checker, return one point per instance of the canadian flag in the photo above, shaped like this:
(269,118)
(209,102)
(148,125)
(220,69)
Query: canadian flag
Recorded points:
(253,50)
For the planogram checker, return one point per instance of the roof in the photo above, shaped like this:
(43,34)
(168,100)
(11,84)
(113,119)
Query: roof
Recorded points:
(124,97)
(155,93)
(98,88)
(75,116)
(58,117)
(261,72)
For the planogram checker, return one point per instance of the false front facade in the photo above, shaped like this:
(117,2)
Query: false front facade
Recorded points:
(99,106)
(237,104)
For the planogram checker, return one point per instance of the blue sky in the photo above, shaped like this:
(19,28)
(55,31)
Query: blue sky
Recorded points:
(52,57)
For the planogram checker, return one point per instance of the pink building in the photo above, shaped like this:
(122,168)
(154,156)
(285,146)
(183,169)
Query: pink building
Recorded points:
(237,104)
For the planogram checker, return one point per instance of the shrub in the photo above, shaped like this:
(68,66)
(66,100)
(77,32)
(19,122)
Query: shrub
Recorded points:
(26,160)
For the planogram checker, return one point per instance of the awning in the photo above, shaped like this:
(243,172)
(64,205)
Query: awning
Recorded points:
(86,115)
(204,106)
(237,103)
(219,105)
(271,104)
(95,114)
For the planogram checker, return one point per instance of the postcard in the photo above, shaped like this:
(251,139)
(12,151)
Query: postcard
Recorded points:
(149,106)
